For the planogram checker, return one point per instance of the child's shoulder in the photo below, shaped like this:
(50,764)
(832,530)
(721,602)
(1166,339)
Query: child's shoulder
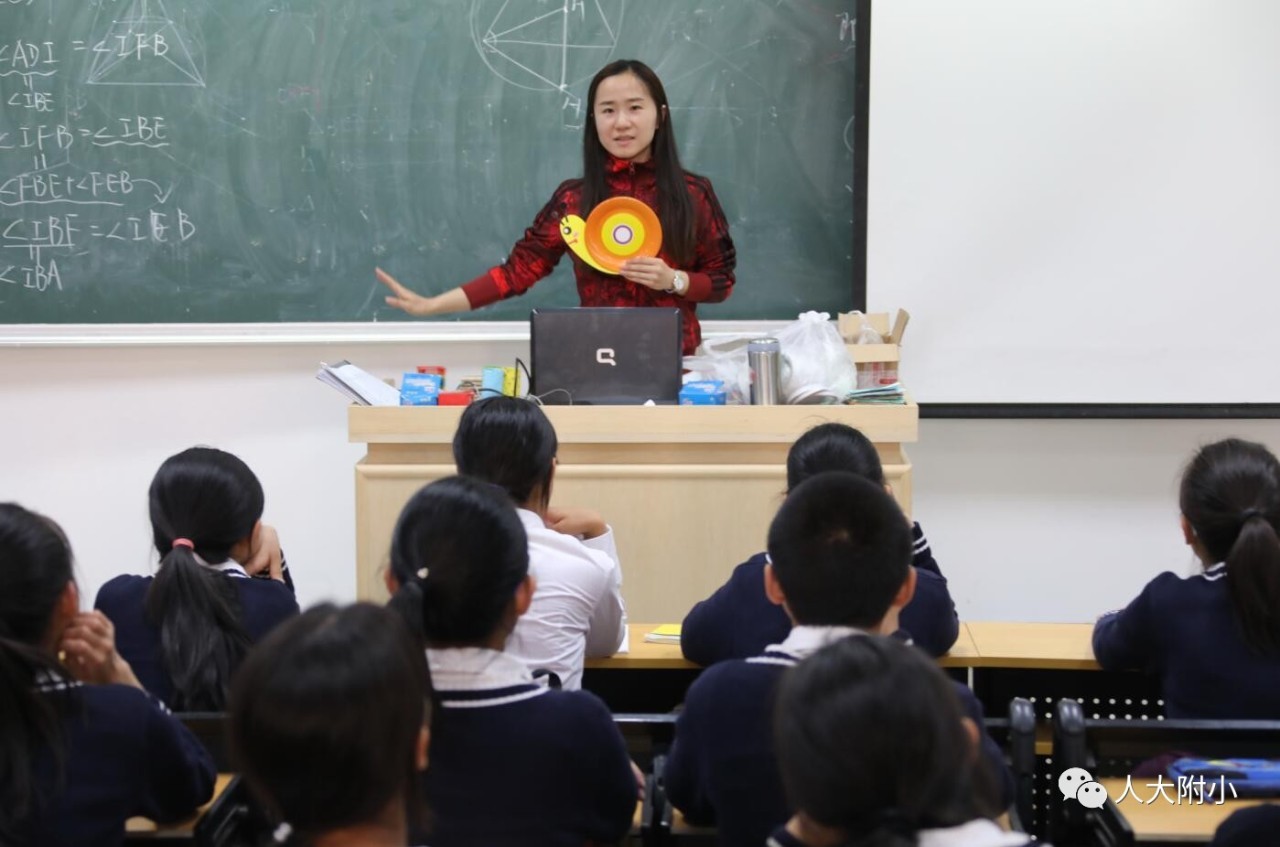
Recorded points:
(123,588)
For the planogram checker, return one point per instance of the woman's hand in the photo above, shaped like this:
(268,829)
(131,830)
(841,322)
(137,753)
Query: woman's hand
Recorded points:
(651,272)
(89,645)
(403,299)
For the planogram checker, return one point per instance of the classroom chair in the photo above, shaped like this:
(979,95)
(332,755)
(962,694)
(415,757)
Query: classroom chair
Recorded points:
(1070,822)
(1021,748)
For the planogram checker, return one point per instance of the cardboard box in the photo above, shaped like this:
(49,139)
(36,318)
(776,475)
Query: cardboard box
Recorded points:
(877,364)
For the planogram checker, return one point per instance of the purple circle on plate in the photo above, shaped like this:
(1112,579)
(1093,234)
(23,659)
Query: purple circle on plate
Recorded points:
(623,234)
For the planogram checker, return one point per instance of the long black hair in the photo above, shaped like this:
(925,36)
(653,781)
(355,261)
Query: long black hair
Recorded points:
(833,447)
(459,552)
(509,442)
(871,742)
(35,568)
(325,715)
(1231,497)
(675,209)
(209,499)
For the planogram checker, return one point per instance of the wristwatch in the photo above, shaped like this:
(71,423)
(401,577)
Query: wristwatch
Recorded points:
(679,283)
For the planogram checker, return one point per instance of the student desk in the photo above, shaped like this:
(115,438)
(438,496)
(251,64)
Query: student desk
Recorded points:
(654,677)
(689,490)
(1162,822)
(1045,662)
(146,831)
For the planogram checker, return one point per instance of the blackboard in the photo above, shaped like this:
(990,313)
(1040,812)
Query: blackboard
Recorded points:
(253,160)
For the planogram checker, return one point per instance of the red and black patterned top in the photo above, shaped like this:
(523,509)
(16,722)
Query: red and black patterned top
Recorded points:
(538,252)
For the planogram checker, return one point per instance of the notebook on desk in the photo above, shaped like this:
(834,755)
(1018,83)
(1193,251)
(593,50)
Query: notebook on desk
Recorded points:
(608,356)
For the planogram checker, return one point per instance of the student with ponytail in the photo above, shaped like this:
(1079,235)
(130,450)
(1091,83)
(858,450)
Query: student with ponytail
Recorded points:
(82,746)
(875,751)
(1213,638)
(512,762)
(186,629)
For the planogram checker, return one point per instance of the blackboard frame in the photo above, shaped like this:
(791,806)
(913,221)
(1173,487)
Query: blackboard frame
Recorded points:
(202,333)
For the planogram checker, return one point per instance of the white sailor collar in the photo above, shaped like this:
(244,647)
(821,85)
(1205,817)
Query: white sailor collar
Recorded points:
(475,669)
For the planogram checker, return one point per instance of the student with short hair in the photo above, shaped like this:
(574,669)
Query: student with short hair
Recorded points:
(82,747)
(577,610)
(187,629)
(512,761)
(1213,638)
(739,621)
(840,564)
(874,749)
(329,726)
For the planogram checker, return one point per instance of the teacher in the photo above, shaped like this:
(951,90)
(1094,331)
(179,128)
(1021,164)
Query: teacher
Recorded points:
(628,150)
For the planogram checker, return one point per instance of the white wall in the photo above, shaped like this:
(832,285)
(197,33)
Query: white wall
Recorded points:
(1030,520)
(1076,199)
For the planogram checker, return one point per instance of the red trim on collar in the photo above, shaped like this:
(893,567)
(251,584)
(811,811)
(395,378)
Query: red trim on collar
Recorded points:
(614,165)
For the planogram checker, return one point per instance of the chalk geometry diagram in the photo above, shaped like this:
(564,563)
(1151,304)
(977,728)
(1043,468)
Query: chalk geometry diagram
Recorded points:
(144,47)
(543,46)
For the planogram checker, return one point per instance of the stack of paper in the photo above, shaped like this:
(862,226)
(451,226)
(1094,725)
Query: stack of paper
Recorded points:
(883,395)
(360,386)
(668,633)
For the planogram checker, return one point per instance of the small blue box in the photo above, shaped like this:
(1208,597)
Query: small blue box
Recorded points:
(420,389)
(707,392)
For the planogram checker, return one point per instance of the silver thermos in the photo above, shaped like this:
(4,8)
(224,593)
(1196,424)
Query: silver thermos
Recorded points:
(764,359)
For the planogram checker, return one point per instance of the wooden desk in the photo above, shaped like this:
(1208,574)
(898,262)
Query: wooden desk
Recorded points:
(1164,822)
(145,829)
(689,490)
(644,655)
(1045,662)
(1049,646)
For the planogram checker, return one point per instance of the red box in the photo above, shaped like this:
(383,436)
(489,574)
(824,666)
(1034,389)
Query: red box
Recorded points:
(456,398)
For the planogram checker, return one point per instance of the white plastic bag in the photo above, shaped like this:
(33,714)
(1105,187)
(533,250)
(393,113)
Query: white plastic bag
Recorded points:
(820,370)
(724,359)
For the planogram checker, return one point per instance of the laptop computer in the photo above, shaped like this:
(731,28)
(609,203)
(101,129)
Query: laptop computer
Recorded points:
(608,356)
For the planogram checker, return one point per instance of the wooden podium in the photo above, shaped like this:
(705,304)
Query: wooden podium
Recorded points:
(689,490)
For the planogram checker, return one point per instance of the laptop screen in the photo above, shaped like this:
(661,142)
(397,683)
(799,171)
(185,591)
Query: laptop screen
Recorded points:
(605,356)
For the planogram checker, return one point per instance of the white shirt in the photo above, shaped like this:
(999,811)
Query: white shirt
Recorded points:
(577,609)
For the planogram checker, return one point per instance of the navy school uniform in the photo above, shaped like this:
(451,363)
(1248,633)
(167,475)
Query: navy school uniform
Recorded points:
(1186,632)
(739,621)
(264,604)
(515,763)
(125,755)
(722,770)
(975,833)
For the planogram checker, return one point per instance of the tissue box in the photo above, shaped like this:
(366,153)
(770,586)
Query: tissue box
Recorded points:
(709,392)
(420,389)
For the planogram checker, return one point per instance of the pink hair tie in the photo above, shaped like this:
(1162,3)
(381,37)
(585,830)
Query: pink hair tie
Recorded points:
(184,542)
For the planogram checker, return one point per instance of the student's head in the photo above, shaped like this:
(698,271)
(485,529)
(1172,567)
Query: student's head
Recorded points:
(460,564)
(873,745)
(833,447)
(206,507)
(840,553)
(38,599)
(328,720)
(1230,501)
(510,443)
(628,119)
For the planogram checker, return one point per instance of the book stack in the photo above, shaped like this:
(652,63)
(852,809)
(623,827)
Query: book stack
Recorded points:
(880,395)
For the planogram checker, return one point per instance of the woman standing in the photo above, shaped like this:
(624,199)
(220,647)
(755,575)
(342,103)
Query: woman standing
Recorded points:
(628,150)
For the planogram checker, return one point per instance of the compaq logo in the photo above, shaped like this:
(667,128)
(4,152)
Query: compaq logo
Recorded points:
(604,355)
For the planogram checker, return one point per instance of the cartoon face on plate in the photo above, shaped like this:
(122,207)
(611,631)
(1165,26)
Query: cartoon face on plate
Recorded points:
(1071,779)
